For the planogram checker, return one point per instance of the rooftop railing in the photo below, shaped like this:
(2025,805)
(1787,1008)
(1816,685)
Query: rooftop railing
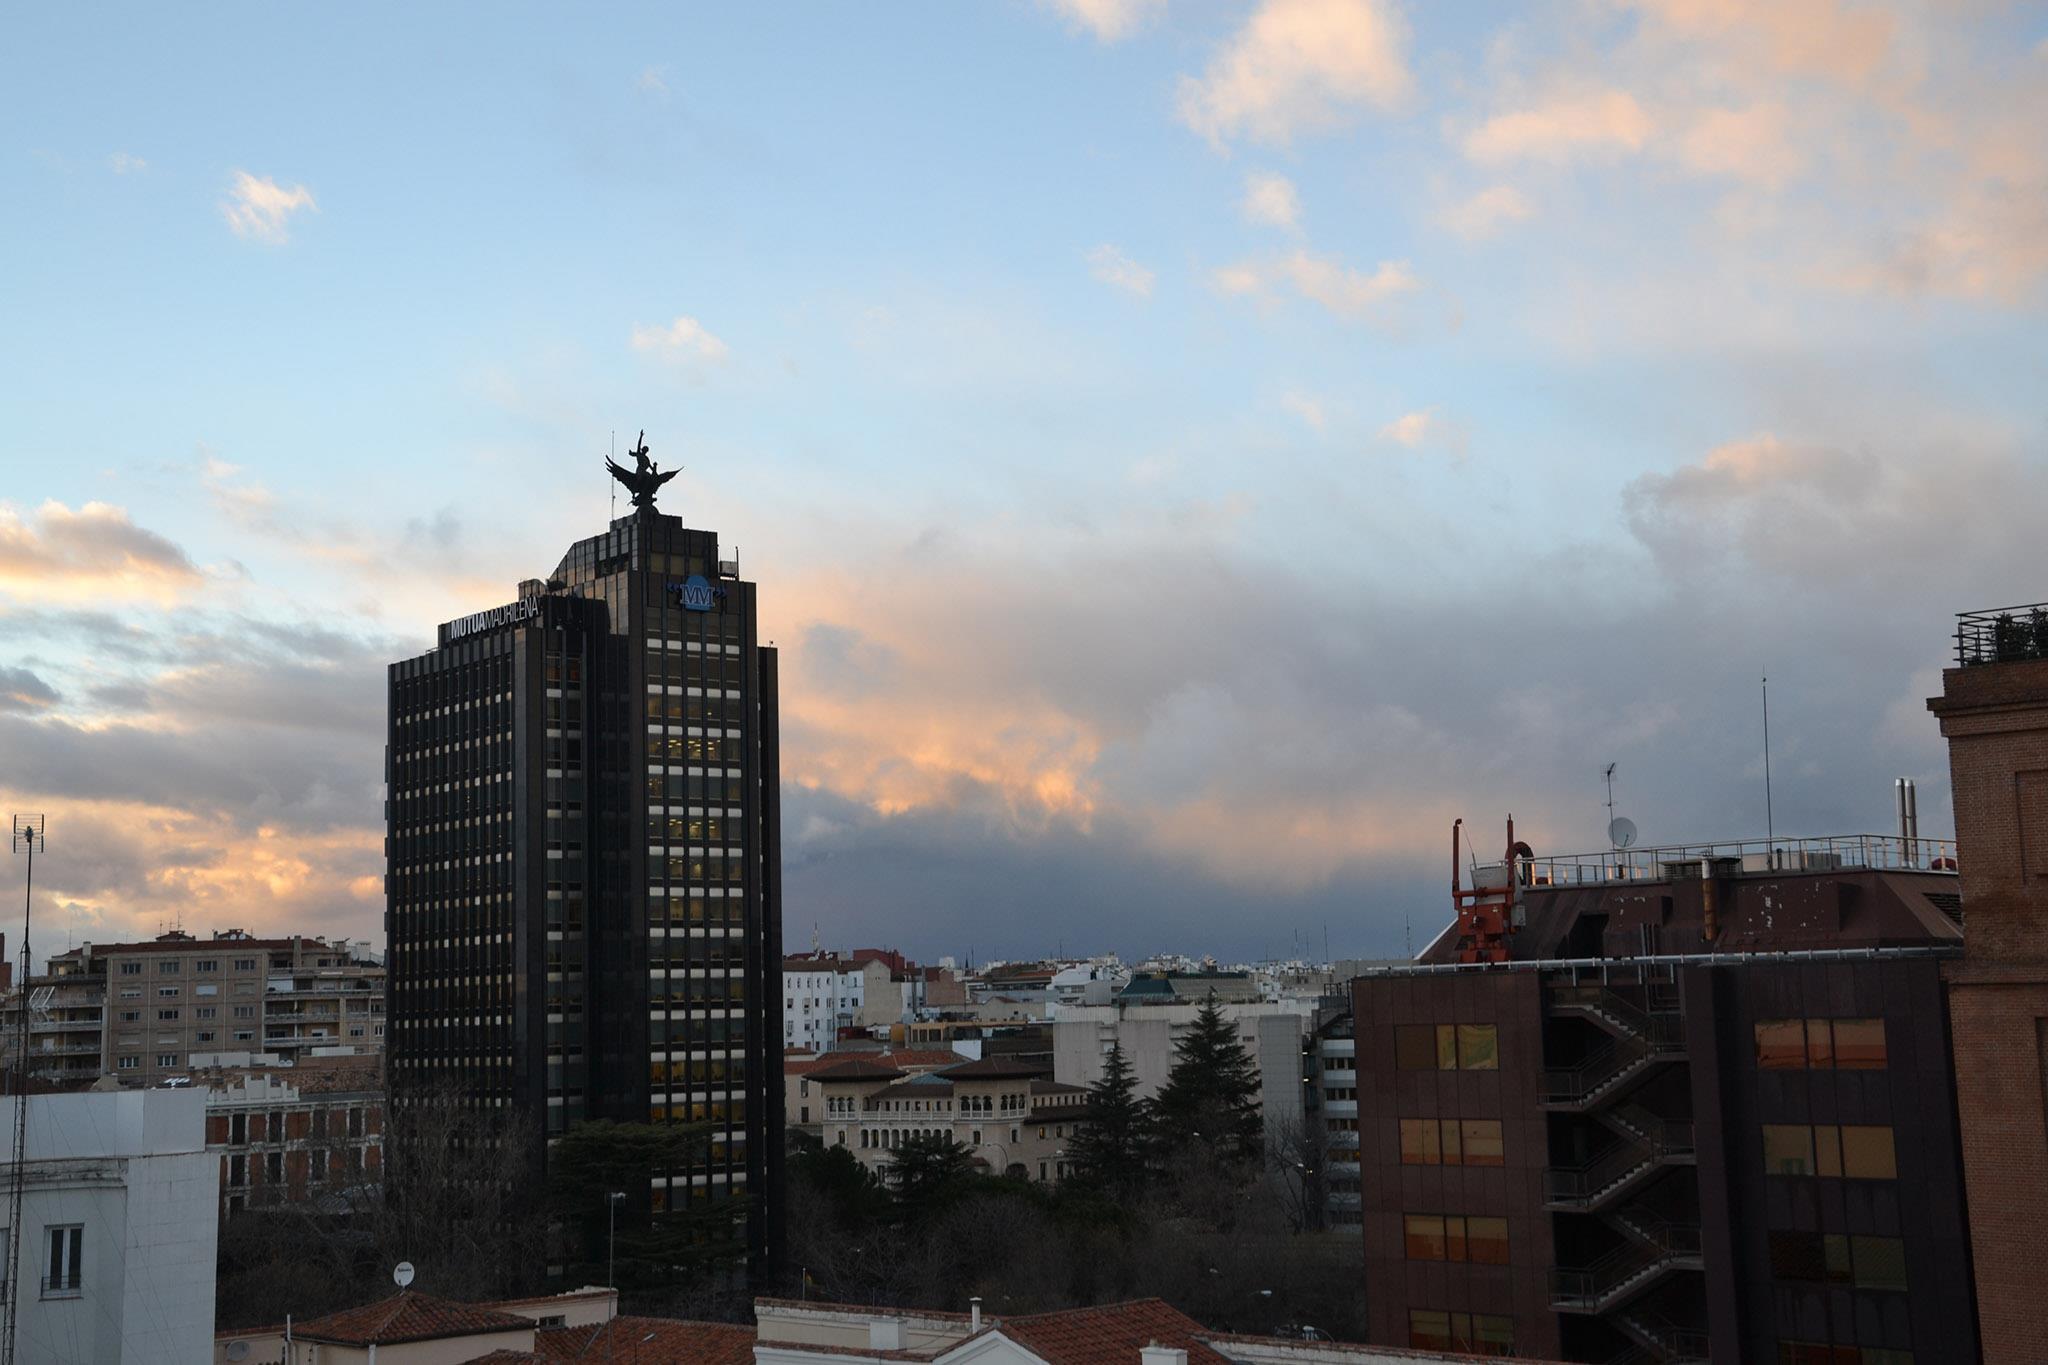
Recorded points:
(1825,853)
(2002,635)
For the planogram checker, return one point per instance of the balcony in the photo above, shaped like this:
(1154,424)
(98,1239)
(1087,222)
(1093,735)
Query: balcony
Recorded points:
(2002,635)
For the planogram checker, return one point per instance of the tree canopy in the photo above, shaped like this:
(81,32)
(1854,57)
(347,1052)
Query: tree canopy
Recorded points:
(1211,1096)
(1110,1149)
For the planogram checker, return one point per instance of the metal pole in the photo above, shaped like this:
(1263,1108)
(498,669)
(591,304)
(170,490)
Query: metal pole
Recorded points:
(27,830)
(1770,822)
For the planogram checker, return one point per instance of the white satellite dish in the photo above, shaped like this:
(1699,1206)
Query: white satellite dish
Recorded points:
(401,1274)
(238,1350)
(1621,831)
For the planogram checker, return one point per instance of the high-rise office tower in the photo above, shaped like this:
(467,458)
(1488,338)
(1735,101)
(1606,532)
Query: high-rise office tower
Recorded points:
(583,899)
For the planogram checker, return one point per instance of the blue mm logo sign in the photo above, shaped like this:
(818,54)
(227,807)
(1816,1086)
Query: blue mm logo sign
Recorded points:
(696,593)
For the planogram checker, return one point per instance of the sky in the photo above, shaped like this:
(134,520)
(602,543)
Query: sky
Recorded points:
(1191,453)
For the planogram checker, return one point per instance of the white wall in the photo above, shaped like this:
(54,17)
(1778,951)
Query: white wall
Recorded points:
(1271,1031)
(131,1169)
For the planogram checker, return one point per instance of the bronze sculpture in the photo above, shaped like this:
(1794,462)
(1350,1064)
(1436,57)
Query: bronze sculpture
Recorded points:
(643,480)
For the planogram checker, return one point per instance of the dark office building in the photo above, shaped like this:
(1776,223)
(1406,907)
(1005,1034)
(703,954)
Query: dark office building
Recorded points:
(583,888)
(1680,1104)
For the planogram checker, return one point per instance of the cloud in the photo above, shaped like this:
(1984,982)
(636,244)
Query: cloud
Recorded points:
(1271,199)
(1112,267)
(1308,408)
(22,690)
(122,163)
(1300,66)
(1425,428)
(1747,144)
(684,342)
(88,554)
(1562,127)
(1109,20)
(653,80)
(1487,212)
(259,207)
(1346,291)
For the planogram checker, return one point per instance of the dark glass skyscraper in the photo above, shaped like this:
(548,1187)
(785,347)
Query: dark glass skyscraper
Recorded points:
(584,863)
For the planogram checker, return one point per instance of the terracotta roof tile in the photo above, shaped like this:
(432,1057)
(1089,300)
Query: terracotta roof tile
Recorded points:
(856,1069)
(654,1341)
(994,1069)
(407,1316)
(1113,1334)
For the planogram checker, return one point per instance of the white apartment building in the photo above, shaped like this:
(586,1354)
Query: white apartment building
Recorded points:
(119,1220)
(822,994)
(1273,1032)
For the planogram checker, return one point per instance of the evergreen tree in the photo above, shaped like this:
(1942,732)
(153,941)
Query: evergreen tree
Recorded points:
(1211,1095)
(928,1171)
(1110,1149)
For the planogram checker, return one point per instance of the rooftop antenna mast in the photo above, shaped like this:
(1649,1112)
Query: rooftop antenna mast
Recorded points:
(613,454)
(1770,821)
(28,836)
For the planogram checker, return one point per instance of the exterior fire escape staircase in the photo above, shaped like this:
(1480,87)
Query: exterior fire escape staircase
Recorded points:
(1642,1037)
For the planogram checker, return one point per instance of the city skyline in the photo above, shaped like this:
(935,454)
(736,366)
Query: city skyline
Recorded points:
(1189,454)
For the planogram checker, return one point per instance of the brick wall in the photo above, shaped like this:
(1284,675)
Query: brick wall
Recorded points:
(1995,718)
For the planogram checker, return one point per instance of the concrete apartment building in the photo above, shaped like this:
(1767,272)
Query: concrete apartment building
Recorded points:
(1013,1118)
(1686,1103)
(142,1012)
(823,994)
(284,1139)
(1993,710)
(1149,1016)
(118,1229)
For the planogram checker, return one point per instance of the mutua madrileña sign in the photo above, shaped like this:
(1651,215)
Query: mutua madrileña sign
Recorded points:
(511,614)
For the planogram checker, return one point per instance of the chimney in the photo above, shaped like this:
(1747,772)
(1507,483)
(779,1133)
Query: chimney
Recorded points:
(1155,1354)
(974,1314)
(885,1334)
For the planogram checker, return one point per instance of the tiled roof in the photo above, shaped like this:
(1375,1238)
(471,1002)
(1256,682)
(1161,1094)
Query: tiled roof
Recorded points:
(1057,1088)
(407,1316)
(856,1069)
(1110,1335)
(993,1069)
(812,1064)
(654,1341)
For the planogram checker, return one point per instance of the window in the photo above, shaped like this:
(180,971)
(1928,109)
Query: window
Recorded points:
(167,1016)
(245,964)
(1484,1334)
(1859,1045)
(131,1016)
(245,1011)
(168,992)
(238,1171)
(1447,1047)
(1451,1142)
(61,1278)
(1820,1044)
(238,1128)
(206,1012)
(166,1059)
(209,964)
(1788,1149)
(168,967)
(1858,1152)
(273,1168)
(1820,1353)
(1453,1237)
(131,969)
(129,1063)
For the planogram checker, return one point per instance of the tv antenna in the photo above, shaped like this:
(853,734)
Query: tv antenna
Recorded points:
(1610,793)
(1770,822)
(29,831)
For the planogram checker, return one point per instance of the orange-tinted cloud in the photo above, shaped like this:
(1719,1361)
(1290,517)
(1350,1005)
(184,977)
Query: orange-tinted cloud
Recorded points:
(93,553)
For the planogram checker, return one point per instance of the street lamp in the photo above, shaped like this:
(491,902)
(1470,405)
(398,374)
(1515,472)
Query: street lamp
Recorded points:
(611,1252)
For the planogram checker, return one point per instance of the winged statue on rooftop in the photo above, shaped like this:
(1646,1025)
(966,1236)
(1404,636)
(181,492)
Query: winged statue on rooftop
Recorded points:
(645,478)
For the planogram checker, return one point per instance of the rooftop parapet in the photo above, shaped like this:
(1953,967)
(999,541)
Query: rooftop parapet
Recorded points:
(1826,853)
(2002,635)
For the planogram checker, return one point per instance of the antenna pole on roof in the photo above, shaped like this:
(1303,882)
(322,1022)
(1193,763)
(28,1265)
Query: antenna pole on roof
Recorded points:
(613,455)
(1770,821)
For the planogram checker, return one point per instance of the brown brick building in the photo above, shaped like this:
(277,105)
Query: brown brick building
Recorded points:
(1698,1107)
(1993,710)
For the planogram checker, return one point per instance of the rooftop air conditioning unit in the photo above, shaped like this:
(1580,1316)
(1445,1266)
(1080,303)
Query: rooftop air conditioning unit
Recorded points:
(728,568)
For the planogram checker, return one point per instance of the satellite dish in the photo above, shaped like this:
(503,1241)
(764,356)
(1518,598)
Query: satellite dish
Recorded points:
(238,1350)
(401,1274)
(1621,831)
